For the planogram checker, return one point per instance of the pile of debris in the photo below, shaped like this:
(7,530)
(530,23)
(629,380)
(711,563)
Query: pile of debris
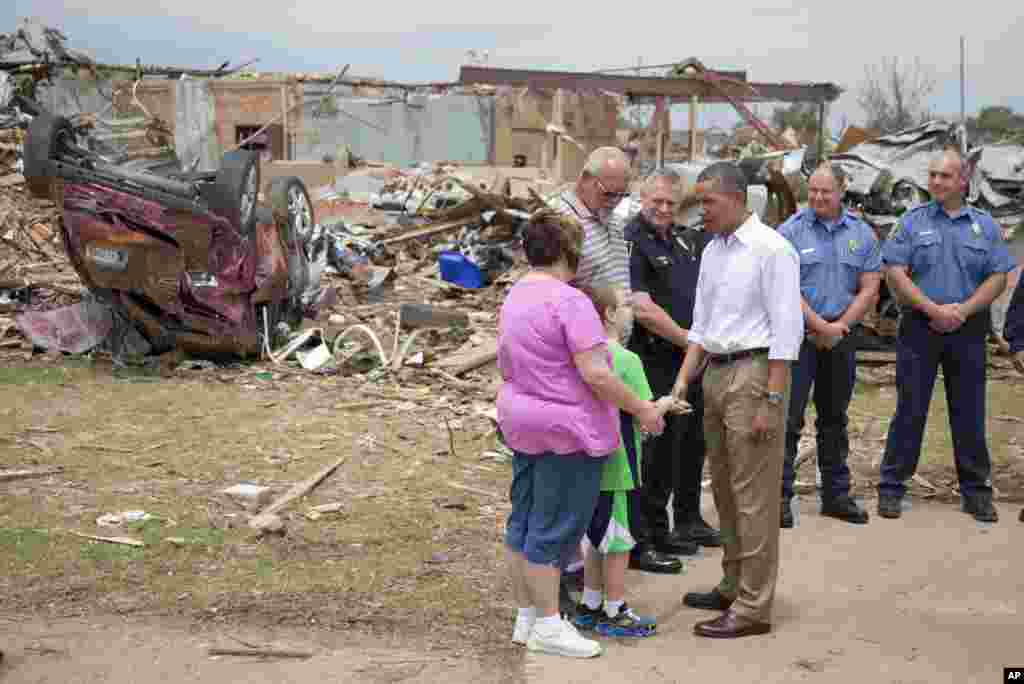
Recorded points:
(889,175)
(34,270)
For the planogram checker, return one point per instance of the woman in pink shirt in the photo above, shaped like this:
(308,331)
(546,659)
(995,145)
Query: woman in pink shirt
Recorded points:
(557,411)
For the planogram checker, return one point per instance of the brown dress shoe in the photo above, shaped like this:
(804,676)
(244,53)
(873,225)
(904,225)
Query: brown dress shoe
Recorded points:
(729,626)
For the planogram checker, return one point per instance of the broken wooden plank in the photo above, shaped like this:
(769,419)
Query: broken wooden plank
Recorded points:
(430,230)
(425,316)
(12,475)
(301,489)
(360,405)
(260,652)
(125,541)
(467,362)
(473,490)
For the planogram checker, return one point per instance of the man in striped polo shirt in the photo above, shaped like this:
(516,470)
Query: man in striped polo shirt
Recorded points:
(603,183)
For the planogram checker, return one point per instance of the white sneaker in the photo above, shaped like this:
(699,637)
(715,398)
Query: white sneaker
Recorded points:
(563,641)
(522,630)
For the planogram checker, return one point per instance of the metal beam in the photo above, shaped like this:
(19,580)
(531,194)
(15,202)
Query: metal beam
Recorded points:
(639,88)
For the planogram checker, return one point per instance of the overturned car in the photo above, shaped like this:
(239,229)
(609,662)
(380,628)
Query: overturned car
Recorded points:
(192,260)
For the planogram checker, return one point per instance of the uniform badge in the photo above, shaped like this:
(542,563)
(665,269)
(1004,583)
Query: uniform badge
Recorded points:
(853,246)
(629,248)
(976,229)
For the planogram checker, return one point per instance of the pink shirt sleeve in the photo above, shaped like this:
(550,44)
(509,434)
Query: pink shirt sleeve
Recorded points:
(580,323)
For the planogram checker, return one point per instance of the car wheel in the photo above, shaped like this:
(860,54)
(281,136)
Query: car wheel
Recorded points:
(42,145)
(235,190)
(288,197)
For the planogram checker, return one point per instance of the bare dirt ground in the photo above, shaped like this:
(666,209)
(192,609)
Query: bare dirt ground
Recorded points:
(405,583)
(933,597)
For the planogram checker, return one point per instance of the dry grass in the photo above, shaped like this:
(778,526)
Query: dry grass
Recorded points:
(408,554)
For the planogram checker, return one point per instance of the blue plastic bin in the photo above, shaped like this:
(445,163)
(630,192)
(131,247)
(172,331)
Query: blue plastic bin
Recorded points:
(456,268)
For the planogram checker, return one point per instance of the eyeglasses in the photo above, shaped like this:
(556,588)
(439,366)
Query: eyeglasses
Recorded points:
(608,195)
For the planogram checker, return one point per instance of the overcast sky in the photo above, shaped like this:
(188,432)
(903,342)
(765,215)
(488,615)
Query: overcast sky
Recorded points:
(427,41)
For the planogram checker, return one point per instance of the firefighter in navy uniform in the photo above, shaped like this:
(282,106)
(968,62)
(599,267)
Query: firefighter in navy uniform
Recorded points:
(664,264)
(946,262)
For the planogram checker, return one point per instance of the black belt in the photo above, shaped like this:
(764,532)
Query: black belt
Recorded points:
(736,356)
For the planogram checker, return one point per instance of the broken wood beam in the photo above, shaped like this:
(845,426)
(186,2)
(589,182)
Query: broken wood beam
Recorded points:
(124,541)
(301,489)
(12,475)
(23,283)
(430,231)
(424,316)
(463,364)
(260,652)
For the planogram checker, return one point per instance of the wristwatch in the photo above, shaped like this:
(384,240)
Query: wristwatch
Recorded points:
(774,398)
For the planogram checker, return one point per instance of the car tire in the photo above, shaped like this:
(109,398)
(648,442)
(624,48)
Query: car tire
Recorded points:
(234,192)
(293,212)
(289,197)
(41,147)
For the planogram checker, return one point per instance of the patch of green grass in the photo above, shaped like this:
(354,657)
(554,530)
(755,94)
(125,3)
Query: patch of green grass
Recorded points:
(151,529)
(103,551)
(131,373)
(28,543)
(31,376)
(79,361)
(199,536)
(264,568)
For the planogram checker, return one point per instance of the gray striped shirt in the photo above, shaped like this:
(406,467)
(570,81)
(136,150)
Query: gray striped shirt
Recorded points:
(604,259)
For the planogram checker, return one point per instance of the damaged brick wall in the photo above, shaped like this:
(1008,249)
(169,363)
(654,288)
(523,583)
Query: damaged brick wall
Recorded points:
(523,115)
(239,103)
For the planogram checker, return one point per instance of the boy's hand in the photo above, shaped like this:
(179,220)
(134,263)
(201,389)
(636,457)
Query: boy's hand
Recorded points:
(669,404)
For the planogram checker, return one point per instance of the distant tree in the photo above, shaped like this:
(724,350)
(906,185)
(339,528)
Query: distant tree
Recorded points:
(894,94)
(800,116)
(997,123)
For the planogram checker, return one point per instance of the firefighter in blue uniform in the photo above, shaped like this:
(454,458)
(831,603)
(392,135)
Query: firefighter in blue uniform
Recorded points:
(946,262)
(664,265)
(840,274)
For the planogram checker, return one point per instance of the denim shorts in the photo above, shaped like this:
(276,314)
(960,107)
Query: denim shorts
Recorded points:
(553,499)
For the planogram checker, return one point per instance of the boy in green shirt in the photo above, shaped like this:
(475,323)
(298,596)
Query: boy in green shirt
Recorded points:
(610,541)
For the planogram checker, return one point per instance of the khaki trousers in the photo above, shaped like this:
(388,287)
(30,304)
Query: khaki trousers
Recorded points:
(745,477)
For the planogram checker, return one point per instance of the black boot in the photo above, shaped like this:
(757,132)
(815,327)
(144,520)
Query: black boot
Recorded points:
(844,508)
(699,532)
(649,559)
(675,544)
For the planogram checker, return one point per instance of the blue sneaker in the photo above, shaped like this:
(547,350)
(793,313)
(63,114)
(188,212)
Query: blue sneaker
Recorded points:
(626,624)
(587,618)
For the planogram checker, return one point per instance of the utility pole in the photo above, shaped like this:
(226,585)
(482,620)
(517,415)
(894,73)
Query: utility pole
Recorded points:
(963,99)
(963,118)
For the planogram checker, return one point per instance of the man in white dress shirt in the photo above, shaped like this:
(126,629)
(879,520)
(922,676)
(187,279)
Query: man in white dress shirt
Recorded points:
(747,329)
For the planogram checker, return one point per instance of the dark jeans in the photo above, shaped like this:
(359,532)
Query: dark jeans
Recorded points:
(832,373)
(673,462)
(919,354)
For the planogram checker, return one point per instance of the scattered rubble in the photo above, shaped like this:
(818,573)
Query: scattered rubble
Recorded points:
(889,174)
